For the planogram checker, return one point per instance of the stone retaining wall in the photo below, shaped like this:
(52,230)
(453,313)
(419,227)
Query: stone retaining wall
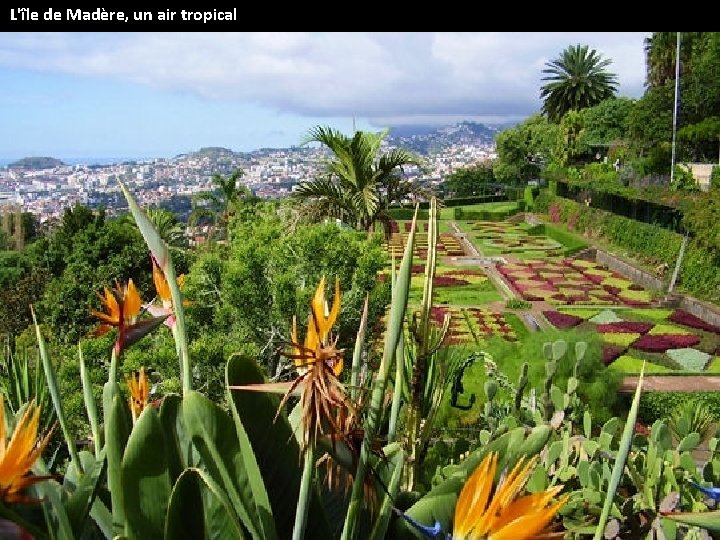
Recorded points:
(637,276)
(700,309)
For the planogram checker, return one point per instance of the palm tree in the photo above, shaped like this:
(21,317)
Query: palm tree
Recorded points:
(219,206)
(576,80)
(358,185)
(168,227)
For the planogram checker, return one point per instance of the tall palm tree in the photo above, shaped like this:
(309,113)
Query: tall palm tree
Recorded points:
(168,227)
(358,184)
(660,52)
(219,206)
(576,80)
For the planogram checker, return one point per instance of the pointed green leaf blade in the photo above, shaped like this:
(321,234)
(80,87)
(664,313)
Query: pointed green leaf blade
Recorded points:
(145,478)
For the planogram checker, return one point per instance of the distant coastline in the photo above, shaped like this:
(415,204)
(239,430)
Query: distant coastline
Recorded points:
(4,162)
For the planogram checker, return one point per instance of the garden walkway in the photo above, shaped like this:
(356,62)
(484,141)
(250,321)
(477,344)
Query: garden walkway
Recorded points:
(673,383)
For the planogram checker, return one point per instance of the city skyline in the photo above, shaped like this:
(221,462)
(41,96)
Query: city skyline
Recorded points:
(147,95)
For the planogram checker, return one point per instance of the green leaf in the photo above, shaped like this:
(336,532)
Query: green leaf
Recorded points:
(213,434)
(275,446)
(161,252)
(212,516)
(178,446)
(145,478)
(689,442)
(396,317)
(51,378)
(395,461)
(82,488)
(90,405)
(707,520)
(183,518)
(117,430)
(621,457)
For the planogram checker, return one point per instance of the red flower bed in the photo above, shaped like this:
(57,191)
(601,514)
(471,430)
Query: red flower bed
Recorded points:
(663,342)
(610,353)
(562,320)
(629,327)
(681,316)
(449,281)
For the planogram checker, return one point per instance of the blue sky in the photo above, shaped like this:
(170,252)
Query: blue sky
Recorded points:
(83,95)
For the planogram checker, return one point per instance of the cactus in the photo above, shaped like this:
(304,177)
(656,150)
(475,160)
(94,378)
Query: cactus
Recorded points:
(522,384)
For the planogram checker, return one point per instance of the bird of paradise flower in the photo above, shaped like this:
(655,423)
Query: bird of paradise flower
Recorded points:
(323,399)
(19,454)
(502,513)
(162,288)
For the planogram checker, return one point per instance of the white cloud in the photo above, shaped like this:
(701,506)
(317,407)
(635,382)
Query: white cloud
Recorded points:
(372,75)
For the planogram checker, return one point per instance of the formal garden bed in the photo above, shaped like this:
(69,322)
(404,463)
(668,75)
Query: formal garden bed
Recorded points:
(670,340)
(506,238)
(572,281)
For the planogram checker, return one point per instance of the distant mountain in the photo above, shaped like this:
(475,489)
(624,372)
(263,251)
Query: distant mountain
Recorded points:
(433,139)
(35,163)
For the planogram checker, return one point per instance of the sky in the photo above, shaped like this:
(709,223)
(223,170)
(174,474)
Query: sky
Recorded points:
(159,94)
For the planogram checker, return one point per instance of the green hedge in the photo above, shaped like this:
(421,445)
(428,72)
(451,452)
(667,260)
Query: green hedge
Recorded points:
(489,214)
(654,244)
(405,214)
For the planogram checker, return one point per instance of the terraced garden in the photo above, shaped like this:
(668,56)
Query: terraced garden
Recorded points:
(563,292)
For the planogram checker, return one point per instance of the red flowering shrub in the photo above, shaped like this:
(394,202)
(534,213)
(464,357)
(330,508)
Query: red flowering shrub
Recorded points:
(663,342)
(630,327)
(681,316)
(562,320)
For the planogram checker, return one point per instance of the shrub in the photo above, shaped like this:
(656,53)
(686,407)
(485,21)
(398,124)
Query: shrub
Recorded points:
(625,326)
(715,178)
(562,320)
(655,405)
(661,343)
(688,319)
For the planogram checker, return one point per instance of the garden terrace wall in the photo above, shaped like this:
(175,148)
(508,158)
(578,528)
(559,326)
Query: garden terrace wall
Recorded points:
(701,309)
(634,274)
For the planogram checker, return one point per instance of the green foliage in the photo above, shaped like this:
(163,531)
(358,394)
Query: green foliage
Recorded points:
(703,219)
(268,274)
(657,405)
(359,182)
(692,417)
(715,178)
(577,79)
(471,181)
(684,180)
(523,148)
(606,122)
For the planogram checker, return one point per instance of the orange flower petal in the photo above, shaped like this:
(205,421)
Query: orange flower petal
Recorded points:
(131,302)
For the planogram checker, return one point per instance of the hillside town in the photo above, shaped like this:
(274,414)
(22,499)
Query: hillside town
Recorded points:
(269,173)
